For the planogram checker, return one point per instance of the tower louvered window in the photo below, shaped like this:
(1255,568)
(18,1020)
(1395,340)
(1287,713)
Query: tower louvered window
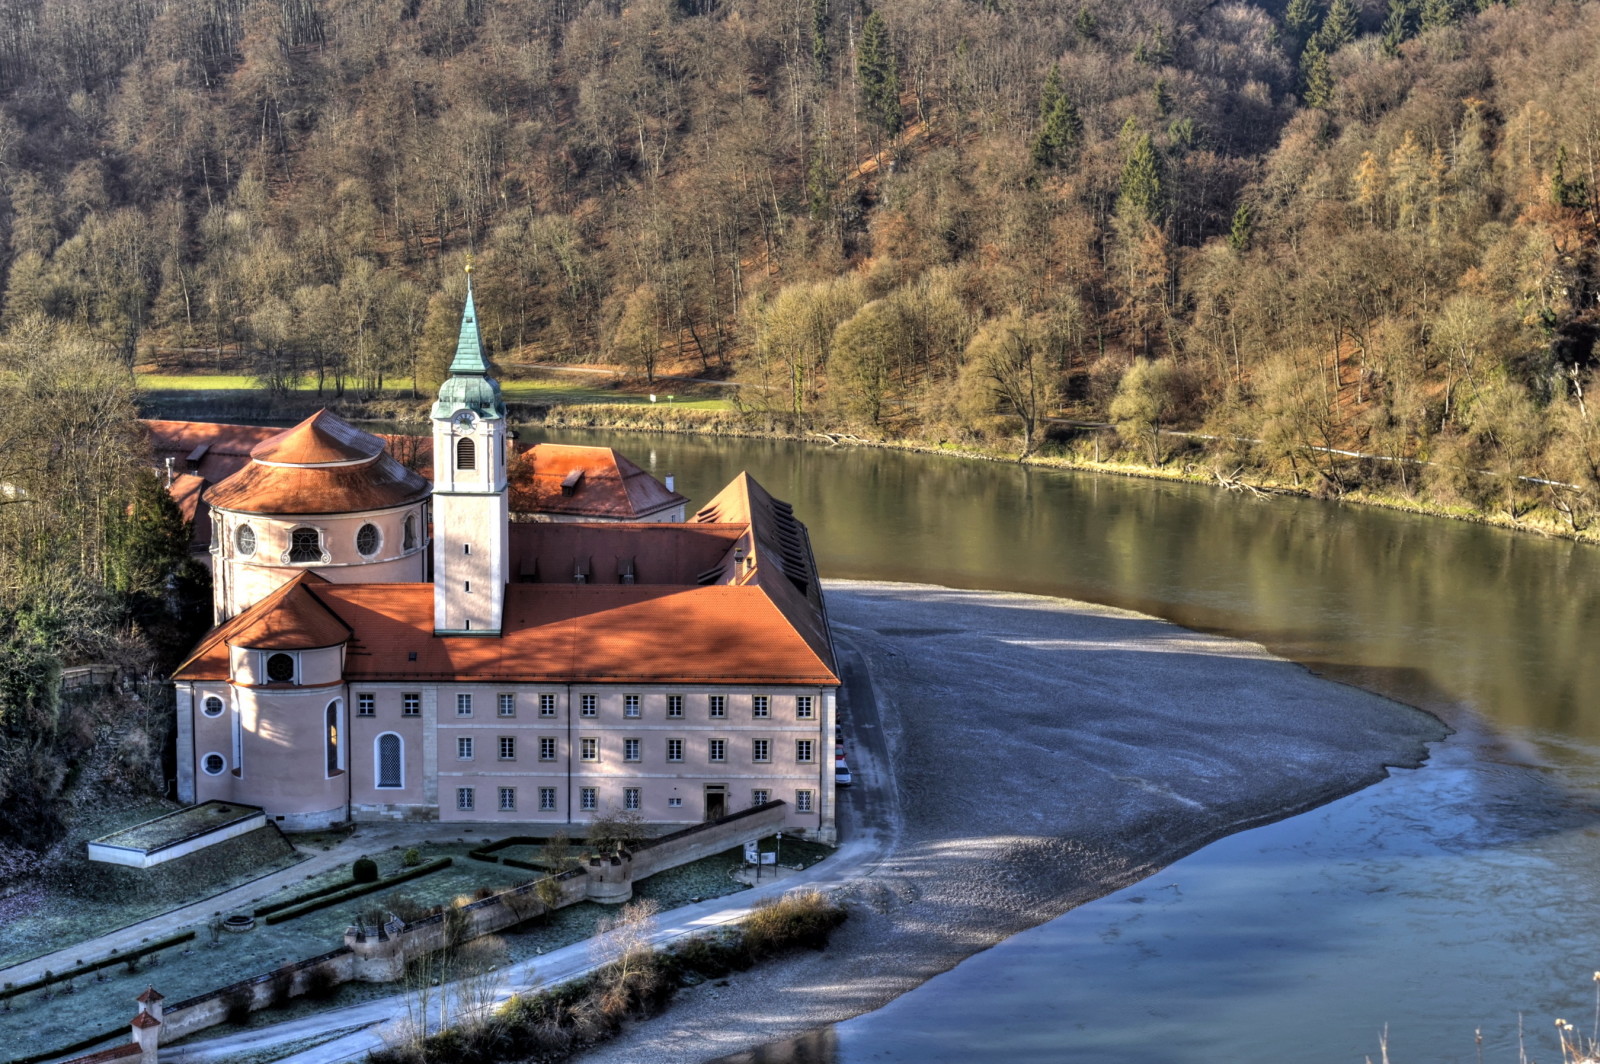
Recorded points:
(466,453)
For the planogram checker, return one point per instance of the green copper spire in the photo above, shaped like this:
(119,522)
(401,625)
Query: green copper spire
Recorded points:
(469,387)
(469,361)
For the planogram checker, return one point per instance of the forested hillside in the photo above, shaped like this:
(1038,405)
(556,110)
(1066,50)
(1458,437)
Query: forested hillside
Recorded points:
(1287,229)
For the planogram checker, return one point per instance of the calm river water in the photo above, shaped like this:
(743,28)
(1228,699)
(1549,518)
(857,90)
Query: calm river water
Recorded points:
(1438,903)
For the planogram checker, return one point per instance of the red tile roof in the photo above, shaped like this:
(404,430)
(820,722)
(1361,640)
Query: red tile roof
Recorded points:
(548,552)
(612,487)
(144,1019)
(560,633)
(105,1056)
(321,466)
(291,618)
(150,994)
(321,439)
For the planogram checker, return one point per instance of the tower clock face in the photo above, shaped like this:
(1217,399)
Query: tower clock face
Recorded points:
(464,420)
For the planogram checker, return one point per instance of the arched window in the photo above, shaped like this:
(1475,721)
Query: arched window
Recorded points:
(280,668)
(245,541)
(305,545)
(367,540)
(333,738)
(411,532)
(466,453)
(213,706)
(391,760)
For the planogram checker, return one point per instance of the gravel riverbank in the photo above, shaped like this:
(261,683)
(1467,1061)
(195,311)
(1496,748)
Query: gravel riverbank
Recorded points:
(1045,753)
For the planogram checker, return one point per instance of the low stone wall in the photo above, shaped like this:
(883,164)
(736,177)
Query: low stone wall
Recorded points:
(703,840)
(381,954)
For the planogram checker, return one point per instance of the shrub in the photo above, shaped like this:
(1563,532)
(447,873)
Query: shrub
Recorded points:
(411,858)
(804,918)
(365,870)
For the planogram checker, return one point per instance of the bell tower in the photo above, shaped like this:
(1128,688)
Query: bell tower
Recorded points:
(470,501)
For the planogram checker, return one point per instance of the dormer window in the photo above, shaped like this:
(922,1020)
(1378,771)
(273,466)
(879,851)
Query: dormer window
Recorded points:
(305,545)
(280,668)
(410,540)
(466,453)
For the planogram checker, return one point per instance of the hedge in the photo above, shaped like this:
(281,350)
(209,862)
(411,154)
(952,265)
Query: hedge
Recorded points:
(357,891)
(94,966)
(303,896)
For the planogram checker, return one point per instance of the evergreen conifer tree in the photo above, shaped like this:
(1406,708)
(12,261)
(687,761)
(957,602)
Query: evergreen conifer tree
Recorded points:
(1398,26)
(1316,79)
(1242,229)
(1059,124)
(1142,195)
(1338,27)
(820,54)
(1299,19)
(1436,13)
(880,75)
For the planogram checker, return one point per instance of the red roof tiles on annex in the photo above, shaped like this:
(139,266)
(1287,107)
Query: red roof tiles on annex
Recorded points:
(573,633)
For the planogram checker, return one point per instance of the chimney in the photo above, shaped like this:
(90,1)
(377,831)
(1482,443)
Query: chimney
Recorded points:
(671,482)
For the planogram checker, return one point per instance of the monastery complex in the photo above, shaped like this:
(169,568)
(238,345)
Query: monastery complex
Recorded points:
(528,637)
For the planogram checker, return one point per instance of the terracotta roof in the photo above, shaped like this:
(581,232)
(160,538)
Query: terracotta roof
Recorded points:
(610,486)
(291,618)
(150,994)
(321,439)
(321,466)
(783,564)
(144,1019)
(122,1052)
(559,633)
(548,552)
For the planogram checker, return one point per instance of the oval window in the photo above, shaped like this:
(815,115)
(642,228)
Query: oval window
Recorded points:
(213,764)
(213,707)
(367,540)
(280,668)
(245,541)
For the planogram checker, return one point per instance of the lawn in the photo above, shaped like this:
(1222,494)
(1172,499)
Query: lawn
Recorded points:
(576,390)
(83,899)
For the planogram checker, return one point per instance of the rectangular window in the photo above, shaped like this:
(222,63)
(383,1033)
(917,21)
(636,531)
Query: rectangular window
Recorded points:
(630,705)
(464,748)
(760,706)
(508,748)
(591,749)
(547,705)
(508,798)
(760,750)
(718,749)
(366,705)
(674,749)
(508,705)
(588,705)
(674,705)
(802,708)
(719,705)
(674,803)
(411,704)
(547,799)
(630,749)
(588,799)
(464,798)
(547,748)
(463,705)
(630,799)
(802,750)
(760,797)
(802,801)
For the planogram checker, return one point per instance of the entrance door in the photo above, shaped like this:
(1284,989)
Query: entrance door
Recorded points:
(716,801)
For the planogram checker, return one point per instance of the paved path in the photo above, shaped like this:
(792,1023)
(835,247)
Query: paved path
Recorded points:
(869,824)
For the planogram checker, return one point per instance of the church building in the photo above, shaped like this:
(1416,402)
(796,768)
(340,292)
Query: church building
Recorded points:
(394,646)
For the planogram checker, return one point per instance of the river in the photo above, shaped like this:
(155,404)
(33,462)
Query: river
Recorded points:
(1442,902)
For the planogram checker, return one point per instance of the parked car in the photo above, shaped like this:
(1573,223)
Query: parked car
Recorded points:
(838,753)
(841,774)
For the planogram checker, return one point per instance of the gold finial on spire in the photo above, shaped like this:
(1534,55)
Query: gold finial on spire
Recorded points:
(469,265)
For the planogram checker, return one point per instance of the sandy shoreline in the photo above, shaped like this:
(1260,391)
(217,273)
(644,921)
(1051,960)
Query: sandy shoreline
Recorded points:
(1045,753)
